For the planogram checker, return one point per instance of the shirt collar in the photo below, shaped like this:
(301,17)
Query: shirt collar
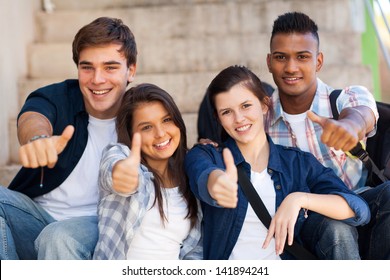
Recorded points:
(276,114)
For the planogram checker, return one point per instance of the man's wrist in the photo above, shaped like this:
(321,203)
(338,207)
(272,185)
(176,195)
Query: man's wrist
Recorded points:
(36,137)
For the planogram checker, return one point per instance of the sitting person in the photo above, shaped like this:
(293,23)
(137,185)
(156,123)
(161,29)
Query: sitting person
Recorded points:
(302,118)
(292,183)
(49,210)
(146,209)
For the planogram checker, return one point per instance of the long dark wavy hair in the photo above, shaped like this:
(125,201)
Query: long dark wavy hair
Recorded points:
(146,93)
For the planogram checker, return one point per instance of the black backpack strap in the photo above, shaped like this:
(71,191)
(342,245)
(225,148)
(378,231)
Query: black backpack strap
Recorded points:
(333,98)
(386,170)
(358,151)
(298,251)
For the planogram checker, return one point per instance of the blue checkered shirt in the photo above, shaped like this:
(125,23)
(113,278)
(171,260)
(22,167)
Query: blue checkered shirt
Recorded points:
(121,215)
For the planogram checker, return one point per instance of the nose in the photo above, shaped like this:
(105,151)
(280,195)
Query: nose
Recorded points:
(239,117)
(98,77)
(291,66)
(159,132)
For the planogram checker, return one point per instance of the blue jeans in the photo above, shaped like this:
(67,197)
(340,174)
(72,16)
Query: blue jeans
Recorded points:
(374,238)
(29,232)
(330,239)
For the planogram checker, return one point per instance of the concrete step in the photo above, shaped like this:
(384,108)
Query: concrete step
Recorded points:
(192,19)
(14,142)
(107,4)
(182,55)
(7,173)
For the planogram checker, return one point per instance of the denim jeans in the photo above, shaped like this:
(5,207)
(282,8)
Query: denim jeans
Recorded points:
(71,239)
(29,232)
(374,238)
(330,239)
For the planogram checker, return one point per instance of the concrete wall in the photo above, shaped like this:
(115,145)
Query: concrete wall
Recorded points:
(17,31)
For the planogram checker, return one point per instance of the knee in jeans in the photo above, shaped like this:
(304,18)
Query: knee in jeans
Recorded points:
(339,230)
(54,235)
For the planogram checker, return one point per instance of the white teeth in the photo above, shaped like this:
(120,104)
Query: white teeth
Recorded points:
(292,79)
(162,144)
(100,92)
(243,128)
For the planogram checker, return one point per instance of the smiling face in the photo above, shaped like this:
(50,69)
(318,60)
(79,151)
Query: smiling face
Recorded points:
(240,113)
(294,62)
(160,135)
(103,76)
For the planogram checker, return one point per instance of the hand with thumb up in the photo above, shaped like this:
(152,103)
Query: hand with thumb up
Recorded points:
(125,172)
(45,150)
(342,134)
(222,185)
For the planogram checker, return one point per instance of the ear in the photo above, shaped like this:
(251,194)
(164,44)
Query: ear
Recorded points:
(269,62)
(132,70)
(320,61)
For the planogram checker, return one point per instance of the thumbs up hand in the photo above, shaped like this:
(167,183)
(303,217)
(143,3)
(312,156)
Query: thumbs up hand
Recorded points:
(125,172)
(222,185)
(45,151)
(339,134)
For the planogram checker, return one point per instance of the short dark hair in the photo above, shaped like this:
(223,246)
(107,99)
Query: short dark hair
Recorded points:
(104,31)
(295,22)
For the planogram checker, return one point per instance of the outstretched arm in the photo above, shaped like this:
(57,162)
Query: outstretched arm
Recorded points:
(38,145)
(353,125)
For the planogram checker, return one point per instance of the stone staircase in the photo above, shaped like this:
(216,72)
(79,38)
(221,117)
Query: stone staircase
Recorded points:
(182,44)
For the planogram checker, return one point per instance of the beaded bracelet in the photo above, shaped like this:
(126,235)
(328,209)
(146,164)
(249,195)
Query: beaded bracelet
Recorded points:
(36,137)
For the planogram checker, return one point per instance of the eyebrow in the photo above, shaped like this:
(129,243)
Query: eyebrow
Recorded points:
(111,62)
(300,52)
(145,123)
(242,103)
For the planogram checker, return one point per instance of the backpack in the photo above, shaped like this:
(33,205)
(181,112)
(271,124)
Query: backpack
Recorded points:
(376,156)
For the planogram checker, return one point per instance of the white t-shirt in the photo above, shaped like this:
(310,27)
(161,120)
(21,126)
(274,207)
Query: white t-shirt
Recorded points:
(253,232)
(157,241)
(298,126)
(78,194)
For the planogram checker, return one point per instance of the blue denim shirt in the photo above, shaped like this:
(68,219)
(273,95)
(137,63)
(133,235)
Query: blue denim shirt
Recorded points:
(291,170)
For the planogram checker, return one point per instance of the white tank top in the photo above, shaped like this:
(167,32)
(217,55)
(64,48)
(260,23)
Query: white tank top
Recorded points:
(78,194)
(253,232)
(157,241)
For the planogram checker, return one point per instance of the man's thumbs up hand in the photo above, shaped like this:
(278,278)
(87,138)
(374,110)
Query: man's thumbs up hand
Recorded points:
(339,134)
(44,151)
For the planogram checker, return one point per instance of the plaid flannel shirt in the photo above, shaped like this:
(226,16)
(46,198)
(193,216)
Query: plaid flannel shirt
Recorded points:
(120,215)
(348,169)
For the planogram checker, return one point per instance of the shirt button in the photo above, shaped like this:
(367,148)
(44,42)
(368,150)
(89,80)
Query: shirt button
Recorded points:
(269,171)
(278,187)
